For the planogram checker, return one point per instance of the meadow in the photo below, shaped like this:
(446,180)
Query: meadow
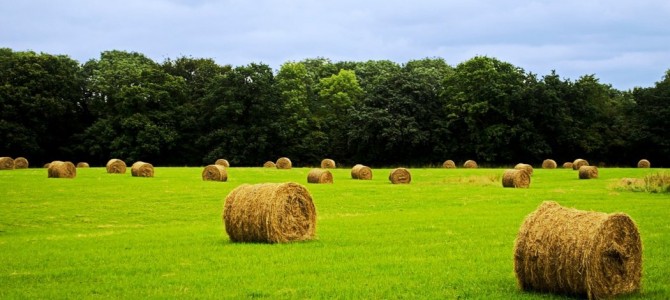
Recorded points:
(447,235)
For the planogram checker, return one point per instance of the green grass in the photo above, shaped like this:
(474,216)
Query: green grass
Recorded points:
(449,234)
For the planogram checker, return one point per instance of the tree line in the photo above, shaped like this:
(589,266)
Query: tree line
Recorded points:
(191,111)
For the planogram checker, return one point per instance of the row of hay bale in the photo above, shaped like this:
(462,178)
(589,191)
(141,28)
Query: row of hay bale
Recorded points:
(546,164)
(8,163)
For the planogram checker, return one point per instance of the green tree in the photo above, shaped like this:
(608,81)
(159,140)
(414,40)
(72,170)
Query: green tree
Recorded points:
(651,116)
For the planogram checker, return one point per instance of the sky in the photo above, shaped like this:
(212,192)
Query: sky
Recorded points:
(624,43)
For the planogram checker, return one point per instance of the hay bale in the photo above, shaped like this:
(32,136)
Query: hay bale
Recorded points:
(222,162)
(470,164)
(361,172)
(116,166)
(578,163)
(400,175)
(526,167)
(449,164)
(574,252)
(328,164)
(643,163)
(269,164)
(588,172)
(46,166)
(61,169)
(319,176)
(82,164)
(142,169)
(6,163)
(20,163)
(284,163)
(269,213)
(549,164)
(215,173)
(567,165)
(516,178)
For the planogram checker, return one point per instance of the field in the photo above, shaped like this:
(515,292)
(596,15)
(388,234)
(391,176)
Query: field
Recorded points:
(447,235)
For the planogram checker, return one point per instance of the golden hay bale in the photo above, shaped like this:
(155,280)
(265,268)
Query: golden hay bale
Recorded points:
(283,163)
(215,173)
(61,169)
(574,252)
(269,213)
(549,164)
(361,172)
(319,176)
(643,163)
(470,164)
(328,164)
(269,164)
(400,175)
(578,163)
(449,164)
(222,162)
(20,163)
(6,163)
(588,172)
(142,169)
(516,178)
(46,166)
(567,165)
(526,167)
(116,166)
(82,164)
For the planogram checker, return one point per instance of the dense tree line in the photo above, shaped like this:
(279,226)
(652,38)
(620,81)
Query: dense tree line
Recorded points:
(191,111)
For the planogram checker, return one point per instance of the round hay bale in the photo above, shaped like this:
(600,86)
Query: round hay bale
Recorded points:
(6,163)
(82,164)
(578,163)
(361,172)
(215,173)
(222,162)
(567,165)
(328,164)
(20,163)
(574,252)
(449,164)
(269,213)
(269,164)
(46,166)
(588,172)
(549,164)
(284,163)
(470,164)
(526,167)
(319,176)
(400,175)
(516,178)
(61,169)
(116,166)
(643,163)
(142,169)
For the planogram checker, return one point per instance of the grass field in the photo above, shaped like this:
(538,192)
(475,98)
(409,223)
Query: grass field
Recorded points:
(447,235)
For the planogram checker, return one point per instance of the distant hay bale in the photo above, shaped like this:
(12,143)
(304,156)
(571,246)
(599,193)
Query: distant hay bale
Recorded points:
(328,164)
(82,164)
(449,164)
(567,165)
(643,163)
(400,175)
(222,162)
(46,166)
(269,213)
(578,163)
(61,169)
(269,164)
(549,164)
(319,176)
(284,163)
(6,163)
(142,169)
(470,164)
(20,163)
(215,173)
(361,172)
(588,172)
(516,178)
(574,252)
(526,167)
(116,166)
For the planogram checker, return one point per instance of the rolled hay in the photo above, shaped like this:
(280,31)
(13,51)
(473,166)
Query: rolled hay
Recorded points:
(449,164)
(46,166)
(526,167)
(643,163)
(283,163)
(20,163)
(6,163)
(588,172)
(116,166)
(549,164)
(328,164)
(470,164)
(269,213)
(61,169)
(82,164)
(222,162)
(361,172)
(400,175)
(578,163)
(319,176)
(574,252)
(142,169)
(516,178)
(215,173)
(567,165)
(269,164)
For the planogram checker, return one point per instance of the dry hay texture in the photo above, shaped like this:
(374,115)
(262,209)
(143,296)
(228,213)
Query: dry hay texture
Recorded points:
(215,173)
(471,164)
(6,163)
(516,178)
(270,213)
(643,163)
(269,164)
(319,176)
(61,169)
(549,164)
(526,167)
(116,166)
(400,175)
(21,163)
(82,164)
(361,172)
(588,172)
(328,164)
(449,164)
(567,165)
(578,163)
(574,252)
(142,169)
(284,163)
(222,162)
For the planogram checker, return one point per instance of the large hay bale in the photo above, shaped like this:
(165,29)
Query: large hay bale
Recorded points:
(449,164)
(588,172)
(142,169)
(222,162)
(6,163)
(319,176)
(643,163)
(549,164)
(516,178)
(116,166)
(269,164)
(567,165)
(20,163)
(82,164)
(526,167)
(574,252)
(61,169)
(361,172)
(400,175)
(269,213)
(470,164)
(284,163)
(578,163)
(215,173)
(328,164)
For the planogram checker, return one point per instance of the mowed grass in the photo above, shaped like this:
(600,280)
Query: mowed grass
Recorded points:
(449,234)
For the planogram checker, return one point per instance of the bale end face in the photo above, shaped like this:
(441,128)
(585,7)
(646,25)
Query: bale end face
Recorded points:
(400,176)
(319,176)
(116,166)
(361,172)
(284,163)
(549,164)
(643,163)
(21,163)
(215,173)
(449,164)
(6,163)
(269,164)
(471,164)
(516,178)
(328,164)
(142,169)
(61,169)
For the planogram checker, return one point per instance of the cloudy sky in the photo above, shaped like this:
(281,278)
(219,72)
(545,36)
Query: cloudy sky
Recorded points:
(624,43)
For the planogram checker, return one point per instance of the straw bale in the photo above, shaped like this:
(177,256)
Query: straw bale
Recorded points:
(328,164)
(269,164)
(215,173)
(61,169)
(319,176)
(471,164)
(6,163)
(20,163)
(116,166)
(526,167)
(549,164)
(82,164)
(449,164)
(643,163)
(142,169)
(222,162)
(516,178)
(284,163)
(400,175)
(578,163)
(361,172)
(588,172)
(567,165)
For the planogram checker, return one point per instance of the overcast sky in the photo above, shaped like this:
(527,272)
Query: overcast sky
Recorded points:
(625,43)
